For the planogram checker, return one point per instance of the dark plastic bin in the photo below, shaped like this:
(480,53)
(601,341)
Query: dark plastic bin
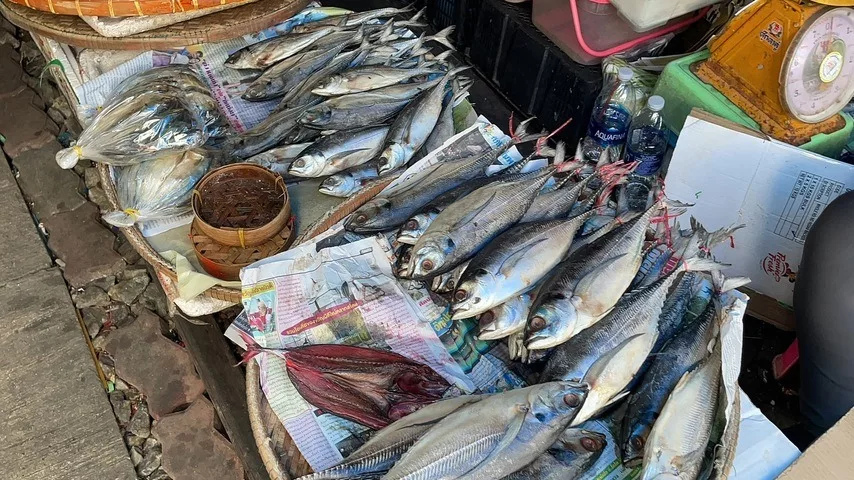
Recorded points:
(534,74)
(460,13)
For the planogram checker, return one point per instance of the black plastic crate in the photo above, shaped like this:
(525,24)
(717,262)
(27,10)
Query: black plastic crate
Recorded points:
(535,75)
(460,13)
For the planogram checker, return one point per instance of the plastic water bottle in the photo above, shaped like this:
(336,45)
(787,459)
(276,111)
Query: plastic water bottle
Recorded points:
(646,143)
(609,123)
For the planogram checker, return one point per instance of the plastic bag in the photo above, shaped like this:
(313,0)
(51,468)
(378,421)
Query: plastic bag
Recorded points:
(159,188)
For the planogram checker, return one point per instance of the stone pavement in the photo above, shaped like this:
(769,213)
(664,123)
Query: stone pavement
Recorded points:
(57,420)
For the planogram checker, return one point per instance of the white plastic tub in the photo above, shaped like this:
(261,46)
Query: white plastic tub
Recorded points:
(645,15)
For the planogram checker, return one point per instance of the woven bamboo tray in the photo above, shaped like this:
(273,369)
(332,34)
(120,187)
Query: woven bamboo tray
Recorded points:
(119,8)
(219,26)
(278,451)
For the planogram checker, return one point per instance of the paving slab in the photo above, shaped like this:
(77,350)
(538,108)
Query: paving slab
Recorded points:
(159,368)
(51,189)
(192,449)
(24,124)
(57,420)
(21,249)
(11,73)
(78,239)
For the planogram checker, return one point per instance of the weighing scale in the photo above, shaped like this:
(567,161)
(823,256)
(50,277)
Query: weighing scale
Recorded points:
(788,64)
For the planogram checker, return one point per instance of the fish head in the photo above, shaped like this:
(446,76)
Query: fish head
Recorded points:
(367,218)
(309,165)
(237,59)
(333,85)
(401,264)
(633,448)
(557,402)
(256,91)
(412,230)
(428,259)
(393,157)
(579,442)
(318,116)
(476,290)
(551,323)
(489,323)
(338,185)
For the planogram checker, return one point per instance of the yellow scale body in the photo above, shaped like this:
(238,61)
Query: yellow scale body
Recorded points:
(753,60)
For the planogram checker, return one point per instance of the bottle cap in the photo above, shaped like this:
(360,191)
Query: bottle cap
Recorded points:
(625,74)
(655,103)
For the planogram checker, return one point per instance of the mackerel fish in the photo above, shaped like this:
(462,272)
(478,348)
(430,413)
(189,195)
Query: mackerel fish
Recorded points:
(302,96)
(505,319)
(494,437)
(345,184)
(339,151)
(266,134)
(265,53)
(568,459)
(352,19)
(362,79)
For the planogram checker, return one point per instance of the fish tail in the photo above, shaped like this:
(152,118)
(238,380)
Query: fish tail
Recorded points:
(418,15)
(442,37)
(444,56)
(723,284)
(520,133)
(407,8)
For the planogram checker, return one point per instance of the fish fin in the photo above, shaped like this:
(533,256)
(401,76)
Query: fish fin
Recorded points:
(418,15)
(473,212)
(343,22)
(387,34)
(588,283)
(513,259)
(601,364)
(442,37)
(699,264)
(723,284)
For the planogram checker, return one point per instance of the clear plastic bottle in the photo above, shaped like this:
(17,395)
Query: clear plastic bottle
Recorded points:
(609,123)
(646,143)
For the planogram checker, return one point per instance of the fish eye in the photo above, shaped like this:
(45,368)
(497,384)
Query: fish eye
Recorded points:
(460,295)
(537,323)
(450,283)
(486,317)
(572,400)
(590,444)
(636,441)
(299,163)
(360,218)
(411,224)
(428,265)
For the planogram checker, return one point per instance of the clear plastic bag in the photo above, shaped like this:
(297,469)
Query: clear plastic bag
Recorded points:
(159,188)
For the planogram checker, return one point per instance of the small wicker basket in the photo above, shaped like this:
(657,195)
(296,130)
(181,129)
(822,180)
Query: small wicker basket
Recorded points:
(224,262)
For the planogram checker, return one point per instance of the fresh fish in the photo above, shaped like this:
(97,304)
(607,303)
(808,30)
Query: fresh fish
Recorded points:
(567,459)
(609,354)
(413,125)
(300,134)
(265,53)
(414,227)
(350,181)
(266,134)
(512,263)
(362,79)
(470,223)
(555,204)
(401,261)
(353,19)
(389,444)
(302,96)
(494,437)
(403,46)
(339,151)
(444,128)
(505,319)
(365,385)
(678,356)
(287,75)
(278,159)
(447,282)
(677,443)
(366,108)
(587,284)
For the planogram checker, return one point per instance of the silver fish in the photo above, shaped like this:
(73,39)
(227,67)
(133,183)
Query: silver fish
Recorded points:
(446,282)
(555,204)
(302,96)
(403,46)
(353,19)
(412,230)
(677,443)
(609,354)
(414,124)
(278,159)
(470,223)
(362,79)
(505,319)
(587,284)
(339,151)
(267,52)
(444,128)
(512,263)
(569,458)
(493,437)
(366,108)
(345,184)
(266,134)
(389,444)
(287,74)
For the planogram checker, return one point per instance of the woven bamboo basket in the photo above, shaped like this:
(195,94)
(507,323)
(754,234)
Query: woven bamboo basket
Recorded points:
(225,262)
(278,451)
(120,8)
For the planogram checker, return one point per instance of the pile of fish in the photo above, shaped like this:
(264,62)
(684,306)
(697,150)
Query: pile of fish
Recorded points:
(359,97)
(619,312)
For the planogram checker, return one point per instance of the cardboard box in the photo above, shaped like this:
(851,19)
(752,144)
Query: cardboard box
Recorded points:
(829,458)
(738,176)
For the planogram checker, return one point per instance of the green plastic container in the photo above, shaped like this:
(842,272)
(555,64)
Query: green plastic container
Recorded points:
(683,91)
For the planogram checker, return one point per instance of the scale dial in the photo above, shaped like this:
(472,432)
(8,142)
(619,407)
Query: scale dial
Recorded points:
(818,73)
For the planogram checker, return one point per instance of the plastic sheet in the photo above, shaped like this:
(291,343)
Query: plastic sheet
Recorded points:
(159,188)
(155,112)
